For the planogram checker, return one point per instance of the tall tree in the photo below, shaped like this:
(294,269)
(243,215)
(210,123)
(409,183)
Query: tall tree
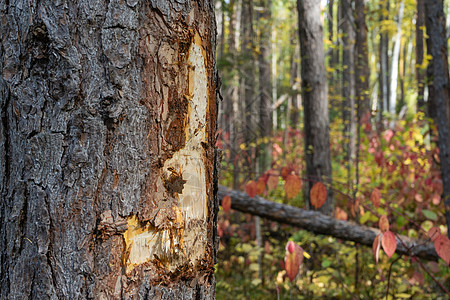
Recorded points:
(348,82)
(395,62)
(247,85)
(420,72)
(231,102)
(362,70)
(315,99)
(384,88)
(265,97)
(107,134)
(438,86)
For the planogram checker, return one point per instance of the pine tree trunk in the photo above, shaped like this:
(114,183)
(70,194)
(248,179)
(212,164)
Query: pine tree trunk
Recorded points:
(315,99)
(439,85)
(107,134)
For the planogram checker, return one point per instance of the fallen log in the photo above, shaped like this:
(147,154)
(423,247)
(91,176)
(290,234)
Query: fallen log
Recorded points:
(321,224)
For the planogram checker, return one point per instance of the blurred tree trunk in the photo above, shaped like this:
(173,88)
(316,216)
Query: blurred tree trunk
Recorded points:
(420,71)
(107,161)
(315,99)
(438,86)
(295,87)
(392,108)
(247,86)
(384,89)
(333,53)
(233,123)
(265,99)
(362,71)
(348,84)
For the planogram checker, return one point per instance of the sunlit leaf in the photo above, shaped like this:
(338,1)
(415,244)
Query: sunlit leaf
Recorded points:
(293,259)
(341,214)
(383,224)
(318,195)
(292,186)
(436,199)
(418,197)
(272,180)
(365,217)
(226,203)
(375,198)
(442,245)
(260,186)
(434,233)
(389,243)
(285,171)
(251,188)
(388,134)
(376,248)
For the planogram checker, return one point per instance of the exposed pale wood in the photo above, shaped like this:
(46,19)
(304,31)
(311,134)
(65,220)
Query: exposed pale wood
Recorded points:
(321,224)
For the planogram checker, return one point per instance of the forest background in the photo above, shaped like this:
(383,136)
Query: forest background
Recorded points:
(382,113)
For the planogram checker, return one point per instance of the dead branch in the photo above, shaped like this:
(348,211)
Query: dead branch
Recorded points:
(321,224)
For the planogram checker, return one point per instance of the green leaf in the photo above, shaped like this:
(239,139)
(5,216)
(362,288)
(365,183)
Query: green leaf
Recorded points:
(326,263)
(430,214)
(364,218)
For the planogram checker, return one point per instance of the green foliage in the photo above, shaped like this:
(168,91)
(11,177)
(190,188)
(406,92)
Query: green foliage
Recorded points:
(400,162)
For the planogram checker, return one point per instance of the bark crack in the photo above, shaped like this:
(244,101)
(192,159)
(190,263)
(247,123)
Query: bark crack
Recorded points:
(7,140)
(50,246)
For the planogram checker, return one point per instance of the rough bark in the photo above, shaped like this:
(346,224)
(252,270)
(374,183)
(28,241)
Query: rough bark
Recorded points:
(438,87)
(315,99)
(420,71)
(321,224)
(107,134)
(362,70)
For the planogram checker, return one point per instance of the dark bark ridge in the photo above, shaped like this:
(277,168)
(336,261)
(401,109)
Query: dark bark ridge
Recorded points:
(319,223)
(439,90)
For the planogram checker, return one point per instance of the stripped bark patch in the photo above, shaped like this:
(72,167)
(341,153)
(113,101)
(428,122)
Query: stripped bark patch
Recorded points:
(177,234)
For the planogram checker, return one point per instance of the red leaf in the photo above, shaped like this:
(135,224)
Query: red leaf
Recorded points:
(376,247)
(318,195)
(442,245)
(293,259)
(260,186)
(383,224)
(272,180)
(388,134)
(389,243)
(379,158)
(341,214)
(226,203)
(285,171)
(292,186)
(375,197)
(434,233)
(436,199)
(418,198)
(251,188)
